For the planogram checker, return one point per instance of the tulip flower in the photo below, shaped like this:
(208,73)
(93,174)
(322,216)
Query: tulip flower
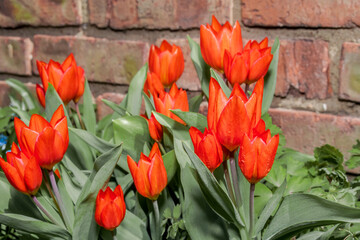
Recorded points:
(257,153)
(67,78)
(231,117)
(249,65)
(23,172)
(153,84)
(215,39)
(155,128)
(149,174)
(207,148)
(46,141)
(175,99)
(167,62)
(110,208)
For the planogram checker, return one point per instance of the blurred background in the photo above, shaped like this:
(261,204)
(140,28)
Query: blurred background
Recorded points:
(318,86)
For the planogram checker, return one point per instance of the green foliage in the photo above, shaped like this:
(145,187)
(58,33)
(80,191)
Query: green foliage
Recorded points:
(354,160)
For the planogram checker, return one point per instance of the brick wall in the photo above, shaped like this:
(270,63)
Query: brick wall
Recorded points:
(318,89)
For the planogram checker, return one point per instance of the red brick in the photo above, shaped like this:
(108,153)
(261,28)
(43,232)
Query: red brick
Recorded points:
(102,108)
(349,87)
(15,55)
(304,65)
(112,61)
(15,13)
(157,14)
(306,130)
(189,79)
(305,13)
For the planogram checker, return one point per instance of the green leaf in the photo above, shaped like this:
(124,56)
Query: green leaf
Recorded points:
(44,230)
(221,82)
(115,107)
(202,69)
(149,105)
(132,227)
(262,196)
(171,165)
(53,101)
(354,160)
(270,207)
(79,152)
(270,78)
(135,90)
(24,92)
(328,155)
(217,198)
(302,211)
(192,119)
(89,117)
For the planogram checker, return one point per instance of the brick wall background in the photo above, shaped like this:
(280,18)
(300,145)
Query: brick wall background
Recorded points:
(318,89)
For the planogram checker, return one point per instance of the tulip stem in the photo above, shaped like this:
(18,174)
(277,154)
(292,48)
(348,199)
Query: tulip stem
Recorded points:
(40,206)
(47,184)
(162,149)
(235,181)
(251,229)
(79,116)
(59,199)
(247,90)
(228,182)
(157,220)
(113,233)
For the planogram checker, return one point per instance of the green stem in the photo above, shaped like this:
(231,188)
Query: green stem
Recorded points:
(251,229)
(40,206)
(113,233)
(157,220)
(235,181)
(228,182)
(162,149)
(59,199)
(79,116)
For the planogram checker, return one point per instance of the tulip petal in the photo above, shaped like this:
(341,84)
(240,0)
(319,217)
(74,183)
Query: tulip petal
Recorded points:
(38,123)
(32,176)
(154,150)
(27,141)
(81,87)
(13,176)
(68,61)
(62,128)
(157,177)
(139,176)
(236,44)
(57,116)
(267,156)
(247,158)
(40,94)
(18,124)
(110,217)
(69,85)
(196,136)
(217,102)
(210,48)
(260,67)
(55,73)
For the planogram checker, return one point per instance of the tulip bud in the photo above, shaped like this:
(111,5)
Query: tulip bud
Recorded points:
(153,85)
(155,128)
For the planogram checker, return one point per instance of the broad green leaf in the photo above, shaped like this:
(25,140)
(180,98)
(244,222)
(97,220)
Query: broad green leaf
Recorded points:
(44,230)
(68,203)
(149,105)
(218,200)
(261,197)
(270,78)
(302,211)
(270,207)
(171,165)
(221,82)
(194,103)
(92,140)
(202,69)
(24,92)
(192,119)
(297,184)
(277,174)
(24,116)
(89,117)
(79,152)
(135,90)
(53,101)
(115,107)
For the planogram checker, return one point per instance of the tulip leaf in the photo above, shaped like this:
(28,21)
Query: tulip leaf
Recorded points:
(202,69)
(270,207)
(85,226)
(79,152)
(92,140)
(171,165)
(115,107)
(135,90)
(217,198)
(53,101)
(317,235)
(133,132)
(201,222)
(24,92)
(221,82)
(270,78)
(89,117)
(192,119)
(194,103)
(149,105)
(299,212)
(44,230)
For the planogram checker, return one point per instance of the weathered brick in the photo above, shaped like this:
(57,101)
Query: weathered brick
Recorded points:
(15,55)
(304,65)
(102,108)
(305,13)
(306,130)
(157,14)
(15,13)
(189,79)
(349,87)
(111,61)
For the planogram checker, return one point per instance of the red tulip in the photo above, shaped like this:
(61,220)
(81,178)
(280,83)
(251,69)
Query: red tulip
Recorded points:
(155,128)
(207,148)
(167,62)
(23,172)
(175,99)
(110,208)
(149,173)
(249,65)
(67,78)
(215,39)
(46,141)
(257,153)
(231,117)
(153,84)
